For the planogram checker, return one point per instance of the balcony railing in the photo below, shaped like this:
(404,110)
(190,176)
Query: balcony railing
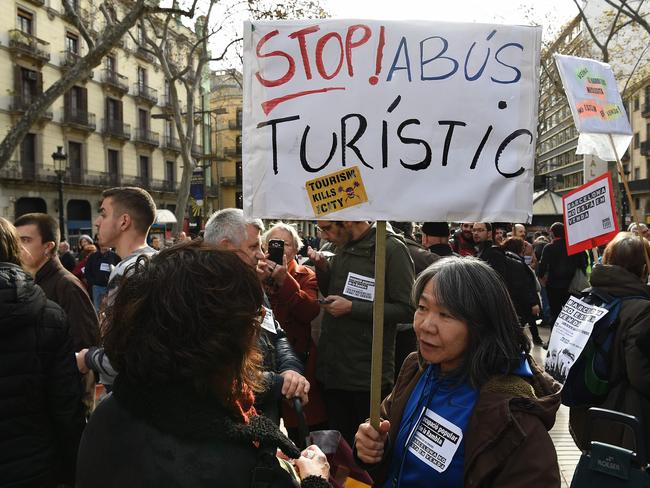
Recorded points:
(232,151)
(145,93)
(148,137)
(79,119)
(116,129)
(22,43)
(645,112)
(115,80)
(637,186)
(69,58)
(234,124)
(645,148)
(171,143)
(20,104)
(143,54)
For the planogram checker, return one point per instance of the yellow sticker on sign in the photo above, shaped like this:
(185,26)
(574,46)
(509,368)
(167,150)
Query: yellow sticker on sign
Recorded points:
(336,191)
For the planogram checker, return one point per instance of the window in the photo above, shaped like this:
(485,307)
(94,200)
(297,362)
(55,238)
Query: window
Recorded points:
(113,158)
(142,77)
(636,103)
(239,200)
(636,140)
(143,121)
(637,173)
(72,43)
(144,170)
(238,173)
(25,22)
(28,156)
(29,85)
(169,174)
(74,161)
(637,203)
(110,64)
(239,117)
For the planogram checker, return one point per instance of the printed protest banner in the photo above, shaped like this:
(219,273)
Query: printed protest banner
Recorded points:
(589,215)
(596,106)
(569,337)
(437,119)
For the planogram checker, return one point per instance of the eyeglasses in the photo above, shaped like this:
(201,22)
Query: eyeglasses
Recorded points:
(325,228)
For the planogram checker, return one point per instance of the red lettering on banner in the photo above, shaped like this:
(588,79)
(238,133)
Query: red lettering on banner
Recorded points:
(292,65)
(300,35)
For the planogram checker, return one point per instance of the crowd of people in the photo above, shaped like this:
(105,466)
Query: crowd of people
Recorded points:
(205,344)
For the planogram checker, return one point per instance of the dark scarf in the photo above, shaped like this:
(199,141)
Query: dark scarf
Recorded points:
(178,410)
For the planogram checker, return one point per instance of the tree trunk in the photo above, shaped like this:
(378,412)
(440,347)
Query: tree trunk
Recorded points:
(112,35)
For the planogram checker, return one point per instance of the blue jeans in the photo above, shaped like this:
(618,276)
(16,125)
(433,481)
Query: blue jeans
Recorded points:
(98,294)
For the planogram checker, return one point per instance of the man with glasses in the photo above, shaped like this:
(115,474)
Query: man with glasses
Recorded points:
(347,281)
(463,242)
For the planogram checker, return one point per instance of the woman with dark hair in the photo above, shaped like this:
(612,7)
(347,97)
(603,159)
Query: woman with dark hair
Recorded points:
(41,414)
(470,407)
(623,274)
(182,333)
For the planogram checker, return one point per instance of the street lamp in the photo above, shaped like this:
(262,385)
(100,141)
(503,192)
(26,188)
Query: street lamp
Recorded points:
(60,167)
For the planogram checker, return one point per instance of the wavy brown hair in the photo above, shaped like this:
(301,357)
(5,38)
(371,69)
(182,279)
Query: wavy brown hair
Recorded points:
(9,243)
(191,313)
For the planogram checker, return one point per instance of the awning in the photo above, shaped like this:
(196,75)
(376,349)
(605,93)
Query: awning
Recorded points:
(547,202)
(164,216)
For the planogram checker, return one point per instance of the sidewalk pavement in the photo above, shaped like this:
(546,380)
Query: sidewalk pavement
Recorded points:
(567,452)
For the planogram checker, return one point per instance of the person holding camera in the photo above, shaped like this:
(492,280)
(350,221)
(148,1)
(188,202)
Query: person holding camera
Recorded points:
(293,293)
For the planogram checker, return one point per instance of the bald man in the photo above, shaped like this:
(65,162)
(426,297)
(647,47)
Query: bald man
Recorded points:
(519,230)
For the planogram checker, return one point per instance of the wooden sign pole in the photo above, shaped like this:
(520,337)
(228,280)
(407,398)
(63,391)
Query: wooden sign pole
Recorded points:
(378,323)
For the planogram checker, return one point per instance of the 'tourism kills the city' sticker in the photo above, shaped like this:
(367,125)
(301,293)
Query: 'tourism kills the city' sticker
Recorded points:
(336,191)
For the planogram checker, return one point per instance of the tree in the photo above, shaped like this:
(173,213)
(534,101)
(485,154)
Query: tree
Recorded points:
(111,34)
(184,61)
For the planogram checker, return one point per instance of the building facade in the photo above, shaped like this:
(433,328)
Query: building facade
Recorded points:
(637,159)
(104,123)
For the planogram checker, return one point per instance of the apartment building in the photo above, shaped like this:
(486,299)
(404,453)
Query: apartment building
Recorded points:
(104,123)
(226,106)
(637,159)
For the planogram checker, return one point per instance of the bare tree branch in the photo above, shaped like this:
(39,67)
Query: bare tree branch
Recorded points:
(225,50)
(77,23)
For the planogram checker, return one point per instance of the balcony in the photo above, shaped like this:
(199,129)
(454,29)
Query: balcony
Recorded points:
(234,124)
(114,80)
(143,54)
(82,13)
(79,119)
(166,104)
(228,181)
(145,93)
(197,150)
(20,104)
(645,148)
(22,44)
(171,144)
(639,186)
(116,129)
(146,137)
(645,111)
(232,151)
(68,59)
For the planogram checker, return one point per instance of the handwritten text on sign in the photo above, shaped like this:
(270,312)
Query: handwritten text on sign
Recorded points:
(419,105)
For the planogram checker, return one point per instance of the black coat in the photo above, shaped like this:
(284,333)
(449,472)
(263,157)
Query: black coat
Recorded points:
(168,436)
(558,266)
(41,414)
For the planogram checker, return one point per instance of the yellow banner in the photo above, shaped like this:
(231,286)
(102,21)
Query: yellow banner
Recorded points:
(336,191)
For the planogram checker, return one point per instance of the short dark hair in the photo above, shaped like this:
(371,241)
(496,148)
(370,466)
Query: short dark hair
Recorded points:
(513,244)
(557,229)
(191,313)
(9,243)
(627,251)
(47,226)
(473,292)
(136,202)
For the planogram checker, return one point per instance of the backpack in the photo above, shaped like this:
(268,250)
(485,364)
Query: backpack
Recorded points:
(589,379)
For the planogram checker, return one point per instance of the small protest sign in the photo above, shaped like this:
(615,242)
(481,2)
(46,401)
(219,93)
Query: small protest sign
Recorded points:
(439,119)
(596,106)
(569,337)
(589,215)
(435,440)
(336,191)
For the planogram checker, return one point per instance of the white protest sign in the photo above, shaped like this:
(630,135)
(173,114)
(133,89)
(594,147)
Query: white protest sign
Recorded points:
(589,215)
(435,440)
(596,106)
(359,286)
(374,120)
(569,337)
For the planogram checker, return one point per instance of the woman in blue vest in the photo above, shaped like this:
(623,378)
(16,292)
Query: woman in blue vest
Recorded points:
(470,407)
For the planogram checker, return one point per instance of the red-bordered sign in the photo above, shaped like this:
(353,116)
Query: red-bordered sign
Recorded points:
(589,215)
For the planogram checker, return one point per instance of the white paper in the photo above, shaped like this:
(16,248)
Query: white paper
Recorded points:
(569,337)
(447,132)
(105,267)
(269,321)
(436,440)
(360,287)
